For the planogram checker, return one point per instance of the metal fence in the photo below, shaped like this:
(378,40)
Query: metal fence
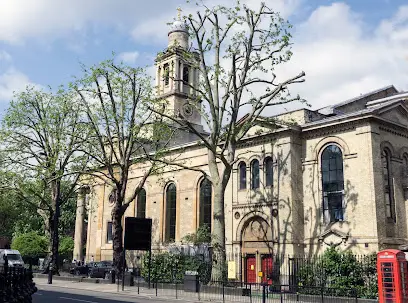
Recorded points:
(248,292)
(16,284)
(329,271)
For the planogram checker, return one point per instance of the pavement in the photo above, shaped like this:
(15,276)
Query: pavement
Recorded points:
(74,291)
(53,293)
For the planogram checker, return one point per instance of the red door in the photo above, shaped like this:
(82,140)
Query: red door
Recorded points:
(250,269)
(266,268)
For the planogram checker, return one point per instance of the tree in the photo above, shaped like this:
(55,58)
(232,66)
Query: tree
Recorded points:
(239,49)
(9,215)
(41,135)
(66,247)
(30,245)
(115,99)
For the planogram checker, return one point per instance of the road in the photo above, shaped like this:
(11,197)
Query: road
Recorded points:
(56,294)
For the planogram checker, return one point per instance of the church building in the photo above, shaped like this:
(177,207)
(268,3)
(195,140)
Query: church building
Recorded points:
(336,176)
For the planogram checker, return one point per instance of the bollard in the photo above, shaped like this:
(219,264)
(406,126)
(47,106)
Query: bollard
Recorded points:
(263,293)
(50,273)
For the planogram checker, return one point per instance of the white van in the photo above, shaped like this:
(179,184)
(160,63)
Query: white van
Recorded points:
(13,257)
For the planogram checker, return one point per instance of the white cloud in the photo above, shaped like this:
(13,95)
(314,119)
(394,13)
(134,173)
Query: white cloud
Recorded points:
(128,57)
(52,19)
(343,59)
(5,56)
(155,28)
(11,81)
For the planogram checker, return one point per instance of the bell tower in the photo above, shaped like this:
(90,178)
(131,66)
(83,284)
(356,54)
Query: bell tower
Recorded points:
(177,75)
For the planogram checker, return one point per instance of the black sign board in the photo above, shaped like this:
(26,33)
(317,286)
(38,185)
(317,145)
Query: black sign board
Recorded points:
(138,233)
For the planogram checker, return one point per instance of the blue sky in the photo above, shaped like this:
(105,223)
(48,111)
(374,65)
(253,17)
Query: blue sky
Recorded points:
(345,47)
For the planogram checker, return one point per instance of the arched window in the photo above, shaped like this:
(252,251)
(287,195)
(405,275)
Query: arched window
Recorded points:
(185,74)
(166,74)
(171,213)
(388,194)
(141,204)
(332,183)
(242,175)
(254,174)
(205,212)
(405,166)
(404,175)
(268,166)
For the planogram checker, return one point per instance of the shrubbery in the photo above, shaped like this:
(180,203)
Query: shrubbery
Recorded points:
(30,245)
(169,267)
(341,271)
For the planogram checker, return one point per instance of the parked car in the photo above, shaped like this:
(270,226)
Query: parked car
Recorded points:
(13,257)
(82,269)
(100,270)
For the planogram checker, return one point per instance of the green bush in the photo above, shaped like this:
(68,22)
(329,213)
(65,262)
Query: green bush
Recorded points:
(340,271)
(168,267)
(30,245)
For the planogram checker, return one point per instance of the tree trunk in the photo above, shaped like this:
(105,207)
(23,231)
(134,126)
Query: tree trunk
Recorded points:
(218,272)
(117,232)
(55,240)
(56,200)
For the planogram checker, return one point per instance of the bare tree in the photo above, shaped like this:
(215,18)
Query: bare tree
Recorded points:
(124,132)
(42,134)
(239,49)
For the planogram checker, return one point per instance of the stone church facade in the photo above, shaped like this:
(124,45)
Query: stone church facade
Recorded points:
(337,176)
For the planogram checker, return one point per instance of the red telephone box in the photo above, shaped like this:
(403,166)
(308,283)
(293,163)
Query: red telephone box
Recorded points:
(392,276)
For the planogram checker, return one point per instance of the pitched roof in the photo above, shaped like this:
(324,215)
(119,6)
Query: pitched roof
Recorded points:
(333,109)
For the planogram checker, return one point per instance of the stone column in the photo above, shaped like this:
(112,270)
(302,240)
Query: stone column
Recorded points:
(177,75)
(79,224)
(158,87)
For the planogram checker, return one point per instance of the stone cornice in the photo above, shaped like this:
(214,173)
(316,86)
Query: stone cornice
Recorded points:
(262,138)
(330,130)
(398,131)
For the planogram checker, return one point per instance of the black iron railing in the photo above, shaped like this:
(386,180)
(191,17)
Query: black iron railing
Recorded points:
(16,284)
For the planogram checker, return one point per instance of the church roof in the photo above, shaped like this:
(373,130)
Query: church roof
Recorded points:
(358,102)
(371,107)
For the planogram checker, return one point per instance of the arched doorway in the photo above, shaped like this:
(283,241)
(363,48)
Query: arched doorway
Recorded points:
(257,248)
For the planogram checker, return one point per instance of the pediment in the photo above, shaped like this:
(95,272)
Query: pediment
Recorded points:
(397,113)
(333,237)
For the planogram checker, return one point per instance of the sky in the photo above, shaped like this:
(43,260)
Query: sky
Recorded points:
(346,48)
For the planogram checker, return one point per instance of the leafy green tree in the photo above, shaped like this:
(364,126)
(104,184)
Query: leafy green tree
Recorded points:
(30,245)
(42,133)
(66,247)
(9,214)
(115,100)
(240,48)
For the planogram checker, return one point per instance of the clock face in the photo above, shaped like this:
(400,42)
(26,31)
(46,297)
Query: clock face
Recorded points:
(187,109)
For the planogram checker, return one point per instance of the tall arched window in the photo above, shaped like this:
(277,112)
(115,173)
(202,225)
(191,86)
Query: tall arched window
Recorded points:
(205,211)
(268,167)
(388,194)
(254,174)
(141,204)
(405,166)
(404,175)
(242,175)
(166,74)
(171,213)
(332,183)
(185,74)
